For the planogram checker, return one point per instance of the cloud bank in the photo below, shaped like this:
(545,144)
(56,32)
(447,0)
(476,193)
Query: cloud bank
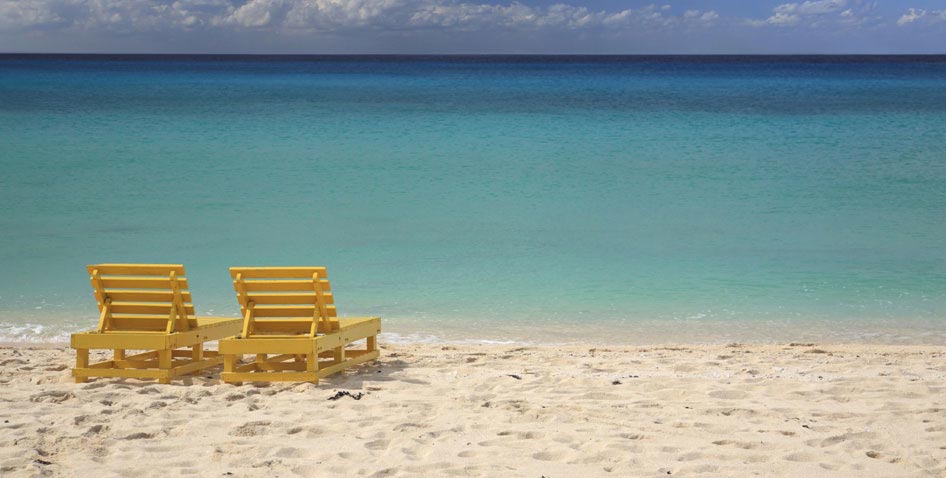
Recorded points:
(207,23)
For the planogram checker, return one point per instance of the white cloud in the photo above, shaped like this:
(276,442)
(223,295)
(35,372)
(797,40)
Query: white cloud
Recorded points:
(911,16)
(325,15)
(707,16)
(821,7)
(783,19)
(919,15)
(809,12)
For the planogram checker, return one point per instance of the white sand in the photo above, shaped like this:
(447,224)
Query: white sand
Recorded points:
(797,410)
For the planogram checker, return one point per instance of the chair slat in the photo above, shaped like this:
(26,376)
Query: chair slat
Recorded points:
(278,272)
(309,298)
(289,310)
(297,325)
(127,295)
(112,282)
(137,269)
(284,285)
(139,322)
(147,308)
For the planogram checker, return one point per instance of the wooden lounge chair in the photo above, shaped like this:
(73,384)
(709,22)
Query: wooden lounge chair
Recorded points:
(147,307)
(290,325)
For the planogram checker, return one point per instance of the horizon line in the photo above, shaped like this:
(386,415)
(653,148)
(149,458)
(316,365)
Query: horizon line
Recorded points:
(471,54)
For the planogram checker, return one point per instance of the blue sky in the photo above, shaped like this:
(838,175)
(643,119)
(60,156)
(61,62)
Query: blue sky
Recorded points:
(473,26)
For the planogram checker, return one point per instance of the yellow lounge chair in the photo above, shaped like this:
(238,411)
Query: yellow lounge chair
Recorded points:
(288,315)
(147,307)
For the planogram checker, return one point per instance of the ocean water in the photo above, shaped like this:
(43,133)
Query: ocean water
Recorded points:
(528,199)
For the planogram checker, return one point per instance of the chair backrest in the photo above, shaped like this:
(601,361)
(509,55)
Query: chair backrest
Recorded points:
(284,300)
(141,297)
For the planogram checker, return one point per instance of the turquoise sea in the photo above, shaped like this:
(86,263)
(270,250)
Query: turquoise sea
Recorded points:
(545,199)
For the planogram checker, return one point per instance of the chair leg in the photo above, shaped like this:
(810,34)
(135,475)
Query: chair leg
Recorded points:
(339,353)
(119,354)
(198,352)
(372,343)
(164,363)
(82,361)
(229,365)
(260,358)
(312,365)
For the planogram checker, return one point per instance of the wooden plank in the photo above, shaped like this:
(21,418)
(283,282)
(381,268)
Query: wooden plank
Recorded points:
(147,307)
(106,364)
(98,289)
(284,285)
(131,295)
(163,283)
(283,326)
(281,358)
(278,272)
(321,311)
(153,354)
(290,310)
(144,317)
(193,337)
(327,342)
(120,340)
(183,310)
(308,298)
(137,269)
(105,317)
(142,323)
(230,362)
(196,365)
(121,372)
(303,345)
(139,364)
(280,366)
(82,362)
(245,368)
(360,330)
(165,363)
(331,369)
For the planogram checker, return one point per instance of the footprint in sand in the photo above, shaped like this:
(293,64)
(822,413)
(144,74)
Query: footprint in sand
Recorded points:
(290,452)
(738,444)
(547,456)
(409,426)
(52,396)
(728,394)
(377,444)
(801,457)
(250,429)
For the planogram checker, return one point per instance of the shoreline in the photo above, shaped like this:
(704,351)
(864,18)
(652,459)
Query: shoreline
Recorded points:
(497,410)
(903,331)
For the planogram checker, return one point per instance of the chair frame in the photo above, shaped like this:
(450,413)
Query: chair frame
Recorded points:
(146,307)
(290,326)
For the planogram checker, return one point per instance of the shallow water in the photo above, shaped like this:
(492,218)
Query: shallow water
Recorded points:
(479,197)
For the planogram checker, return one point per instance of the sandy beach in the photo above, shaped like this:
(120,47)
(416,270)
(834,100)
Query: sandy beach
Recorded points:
(472,410)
